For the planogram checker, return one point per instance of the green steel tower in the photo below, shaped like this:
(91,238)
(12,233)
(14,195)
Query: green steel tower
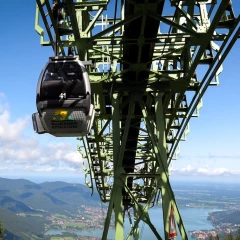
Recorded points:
(144,57)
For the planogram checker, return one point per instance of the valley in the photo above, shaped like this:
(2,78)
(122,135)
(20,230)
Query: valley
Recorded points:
(40,211)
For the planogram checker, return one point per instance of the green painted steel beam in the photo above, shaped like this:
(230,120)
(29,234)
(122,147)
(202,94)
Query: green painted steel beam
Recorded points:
(161,102)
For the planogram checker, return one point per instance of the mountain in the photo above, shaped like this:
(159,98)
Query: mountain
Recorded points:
(225,217)
(25,206)
(15,206)
(47,196)
(18,227)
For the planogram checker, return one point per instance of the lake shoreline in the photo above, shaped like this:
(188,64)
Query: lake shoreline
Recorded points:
(194,218)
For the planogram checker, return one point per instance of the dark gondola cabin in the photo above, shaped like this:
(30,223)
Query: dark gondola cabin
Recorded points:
(63,99)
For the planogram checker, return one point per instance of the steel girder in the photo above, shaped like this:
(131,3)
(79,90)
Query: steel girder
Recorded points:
(156,107)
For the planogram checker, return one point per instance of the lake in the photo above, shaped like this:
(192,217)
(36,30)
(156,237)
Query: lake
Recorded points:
(194,219)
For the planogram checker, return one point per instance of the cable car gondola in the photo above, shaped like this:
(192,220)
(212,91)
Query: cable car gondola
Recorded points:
(63,99)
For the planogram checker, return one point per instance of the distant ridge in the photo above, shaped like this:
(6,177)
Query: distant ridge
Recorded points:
(34,186)
(14,205)
(55,200)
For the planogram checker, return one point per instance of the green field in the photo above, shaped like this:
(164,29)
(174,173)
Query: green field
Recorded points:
(32,236)
(62,238)
(30,215)
(75,225)
(55,225)
(60,216)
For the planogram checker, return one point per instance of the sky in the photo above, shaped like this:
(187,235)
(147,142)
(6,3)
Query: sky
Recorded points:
(211,152)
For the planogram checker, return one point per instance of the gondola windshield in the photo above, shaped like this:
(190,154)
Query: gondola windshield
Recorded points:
(63,71)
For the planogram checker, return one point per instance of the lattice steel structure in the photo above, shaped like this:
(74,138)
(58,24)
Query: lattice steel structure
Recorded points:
(146,89)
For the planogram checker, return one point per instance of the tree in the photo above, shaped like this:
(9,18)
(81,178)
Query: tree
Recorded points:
(210,237)
(238,236)
(229,237)
(2,234)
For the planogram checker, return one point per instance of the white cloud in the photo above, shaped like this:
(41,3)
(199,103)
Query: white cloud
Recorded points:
(205,171)
(21,152)
(9,132)
(187,169)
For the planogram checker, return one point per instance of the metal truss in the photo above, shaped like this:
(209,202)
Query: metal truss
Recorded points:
(146,88)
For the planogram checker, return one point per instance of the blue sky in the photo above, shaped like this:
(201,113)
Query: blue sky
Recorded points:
(211,152)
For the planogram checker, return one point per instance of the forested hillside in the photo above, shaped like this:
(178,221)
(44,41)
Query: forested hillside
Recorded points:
(24,205)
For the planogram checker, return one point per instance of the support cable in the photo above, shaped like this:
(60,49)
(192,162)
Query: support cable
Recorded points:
(114,22)
(169,31)
(141,232)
